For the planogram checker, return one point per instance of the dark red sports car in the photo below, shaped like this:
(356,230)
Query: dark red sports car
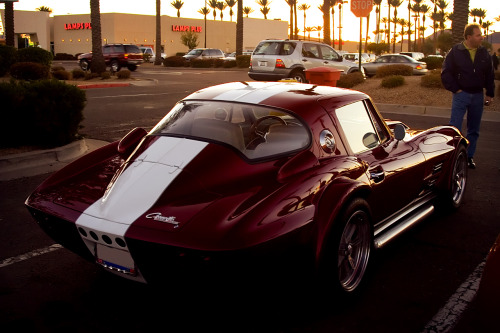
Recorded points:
(253,172)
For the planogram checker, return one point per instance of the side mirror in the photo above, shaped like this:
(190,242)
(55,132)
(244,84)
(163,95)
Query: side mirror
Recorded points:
(131,139)
(399,131)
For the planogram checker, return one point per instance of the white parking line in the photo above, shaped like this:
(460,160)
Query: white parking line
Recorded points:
(29,255)
(449,315)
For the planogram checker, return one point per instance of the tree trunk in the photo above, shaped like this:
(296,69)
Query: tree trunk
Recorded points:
(239,28)
(326,22)
(9,24)
(460,18)
(158,34)
(97,65)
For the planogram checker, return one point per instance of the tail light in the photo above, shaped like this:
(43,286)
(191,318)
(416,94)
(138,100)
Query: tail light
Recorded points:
(419,67)
(125,55)
(280,63)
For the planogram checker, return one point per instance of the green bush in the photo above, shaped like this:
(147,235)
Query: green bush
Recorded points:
(123,74)
(174,61)
(90,76)
(77,73)
(229,64)
(61,74)
(350,80)
(64,56)
(35,54)
(8,56)
(47,113)
(106,75)
(202,63)
(29,71)
(393,81)
(243,61)
(431,81)
(389,70)
(433,62)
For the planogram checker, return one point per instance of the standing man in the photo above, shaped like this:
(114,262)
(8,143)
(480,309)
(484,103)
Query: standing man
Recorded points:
(467,71)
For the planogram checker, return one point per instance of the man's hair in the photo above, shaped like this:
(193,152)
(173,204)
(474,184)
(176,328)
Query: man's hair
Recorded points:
(469,29)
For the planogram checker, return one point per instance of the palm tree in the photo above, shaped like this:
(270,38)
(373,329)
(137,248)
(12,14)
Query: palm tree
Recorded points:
(239,28)
(377,3)
(177,4)
(158,33)
(204,11)
(486,26)
(308,30)
(423,10)
(221,6)
(247,10)
(460,16)
(231,4)
(97,65)
(395,4)
(9,23)
(44,9)
(333,3)
(265,7)
(325,9)
(213,4)
(305,7)
(291,3)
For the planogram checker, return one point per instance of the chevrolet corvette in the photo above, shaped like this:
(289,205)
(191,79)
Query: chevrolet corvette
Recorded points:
(254,172)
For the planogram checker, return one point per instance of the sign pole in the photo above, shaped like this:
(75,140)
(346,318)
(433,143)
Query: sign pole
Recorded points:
(360,41)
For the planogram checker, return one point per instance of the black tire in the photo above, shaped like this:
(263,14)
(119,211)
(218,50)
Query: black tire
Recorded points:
(115,66)
(298,76)
(345,259)
(457,180)
(84,65)
(132,67)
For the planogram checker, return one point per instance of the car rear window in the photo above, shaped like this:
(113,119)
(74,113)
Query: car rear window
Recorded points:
(275,48)
(132,49)
(257,132)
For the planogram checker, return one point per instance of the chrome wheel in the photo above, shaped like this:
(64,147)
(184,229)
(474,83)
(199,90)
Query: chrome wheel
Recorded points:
(84,65)
(459,178)
(299,77)
(354,250)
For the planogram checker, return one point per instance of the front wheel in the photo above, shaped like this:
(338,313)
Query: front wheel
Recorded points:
(345,262)
(115,66)
(298,76)
(84,65)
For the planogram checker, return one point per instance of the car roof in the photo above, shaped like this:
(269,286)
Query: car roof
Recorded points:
(286,95)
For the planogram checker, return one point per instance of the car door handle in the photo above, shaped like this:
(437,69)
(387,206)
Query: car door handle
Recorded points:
(377,176)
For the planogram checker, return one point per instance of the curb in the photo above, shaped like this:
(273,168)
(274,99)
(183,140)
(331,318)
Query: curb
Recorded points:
(43,161)
(103,85)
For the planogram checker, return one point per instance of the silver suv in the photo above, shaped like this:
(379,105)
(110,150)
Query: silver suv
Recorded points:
(276,59)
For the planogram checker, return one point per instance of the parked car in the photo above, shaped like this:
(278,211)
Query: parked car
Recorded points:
(242,176)
(354,57)
(232,55)
(414,55)
(150,53)
(419,68)
(204,53)
(116,56)
(275,59)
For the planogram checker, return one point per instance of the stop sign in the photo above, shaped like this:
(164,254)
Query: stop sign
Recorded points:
(361,8)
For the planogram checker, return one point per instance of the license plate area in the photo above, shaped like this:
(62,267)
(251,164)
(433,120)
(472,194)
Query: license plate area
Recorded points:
(115,260)
(262,63)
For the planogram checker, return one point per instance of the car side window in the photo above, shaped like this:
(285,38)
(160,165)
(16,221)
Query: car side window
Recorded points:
(328,53)
(107,49)
(119,48)
(310,51)
(357,126)
(288,48)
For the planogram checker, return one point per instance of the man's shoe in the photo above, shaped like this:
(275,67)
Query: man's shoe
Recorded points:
(471,163)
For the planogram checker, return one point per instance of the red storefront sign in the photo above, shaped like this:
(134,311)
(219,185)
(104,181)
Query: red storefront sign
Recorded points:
(77,26)
(182,28)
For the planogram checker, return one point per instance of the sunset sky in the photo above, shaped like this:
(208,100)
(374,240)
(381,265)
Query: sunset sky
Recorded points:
(279,10)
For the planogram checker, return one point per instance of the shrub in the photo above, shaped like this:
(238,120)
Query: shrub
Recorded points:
(29,71)
(77,73)
(229,64)
(350,80)
(64,56)
(49,112)
(8,56)
(90,76)
(61,74)
(431,81)
(123,74)
(35,54)
(393,81)
(433,62)
(202,63)
(389,70)
(243,61)
(105,75)
(174,61)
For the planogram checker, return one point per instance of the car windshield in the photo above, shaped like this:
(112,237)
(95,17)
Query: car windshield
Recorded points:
(195,52)
(256,131)
(132,49)
(275,48)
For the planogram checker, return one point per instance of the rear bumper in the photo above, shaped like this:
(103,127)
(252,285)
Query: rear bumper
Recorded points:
(269,76)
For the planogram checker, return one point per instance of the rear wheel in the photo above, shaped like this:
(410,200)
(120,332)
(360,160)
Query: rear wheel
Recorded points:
(115,66)
(454,195)
(345,262)
(84,65)
(298,76)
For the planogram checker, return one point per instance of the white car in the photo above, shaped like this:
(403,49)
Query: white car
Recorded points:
(149,50)
(354,57)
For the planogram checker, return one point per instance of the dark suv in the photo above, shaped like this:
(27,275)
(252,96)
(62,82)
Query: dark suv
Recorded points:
(116,56)
(280,59)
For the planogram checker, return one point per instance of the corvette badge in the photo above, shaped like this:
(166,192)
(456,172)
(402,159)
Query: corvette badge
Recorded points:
(161,218)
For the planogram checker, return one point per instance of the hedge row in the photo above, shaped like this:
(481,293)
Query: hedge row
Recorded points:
(242,61)
(10,55)
(45,113)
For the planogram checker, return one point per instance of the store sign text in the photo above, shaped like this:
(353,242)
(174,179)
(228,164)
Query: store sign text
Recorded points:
(77,26)
(183,28)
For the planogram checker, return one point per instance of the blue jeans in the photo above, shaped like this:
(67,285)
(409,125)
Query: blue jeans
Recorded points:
(472,104)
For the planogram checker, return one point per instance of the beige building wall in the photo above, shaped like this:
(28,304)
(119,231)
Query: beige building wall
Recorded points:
(255,30)
(36,24)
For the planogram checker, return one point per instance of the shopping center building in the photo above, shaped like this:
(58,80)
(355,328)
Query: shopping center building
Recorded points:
(71,34)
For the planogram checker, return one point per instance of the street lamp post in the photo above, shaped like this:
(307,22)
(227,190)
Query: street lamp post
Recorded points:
(340,23)
(205,23)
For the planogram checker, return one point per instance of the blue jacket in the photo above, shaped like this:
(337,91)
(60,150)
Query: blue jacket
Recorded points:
(460,73)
